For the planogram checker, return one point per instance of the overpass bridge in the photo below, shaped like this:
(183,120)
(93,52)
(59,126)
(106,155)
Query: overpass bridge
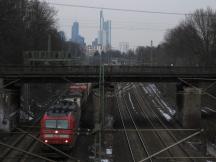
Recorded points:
(188,98)
(112,73)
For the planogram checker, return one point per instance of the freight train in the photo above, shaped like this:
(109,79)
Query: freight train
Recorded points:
(61,120)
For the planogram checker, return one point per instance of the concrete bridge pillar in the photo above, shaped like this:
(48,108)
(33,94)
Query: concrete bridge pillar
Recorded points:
(1,83)
(9,107)
(189,106)
(26,96)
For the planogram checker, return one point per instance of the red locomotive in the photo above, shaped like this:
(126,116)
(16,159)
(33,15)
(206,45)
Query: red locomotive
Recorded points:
(60,122)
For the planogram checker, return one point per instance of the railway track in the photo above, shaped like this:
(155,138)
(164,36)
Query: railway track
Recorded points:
(132,137)
(25,143)
(137,108)
(130,118)
(20,148)
(166,137)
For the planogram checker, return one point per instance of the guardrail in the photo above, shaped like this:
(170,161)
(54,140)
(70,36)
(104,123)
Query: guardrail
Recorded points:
(108,69)
(111,73)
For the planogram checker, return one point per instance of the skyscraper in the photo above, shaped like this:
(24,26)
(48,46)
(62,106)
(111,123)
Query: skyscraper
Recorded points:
(75,31)
(75,37)
(104,34)
(107,28)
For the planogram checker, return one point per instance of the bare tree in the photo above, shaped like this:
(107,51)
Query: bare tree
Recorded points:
(40,22)
(204,22)
(183,45)
(193,41)
(25,25)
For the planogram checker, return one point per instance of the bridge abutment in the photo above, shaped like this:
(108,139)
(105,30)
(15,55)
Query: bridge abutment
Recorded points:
(9,108)
(1,83)
(189,106)
(25,90)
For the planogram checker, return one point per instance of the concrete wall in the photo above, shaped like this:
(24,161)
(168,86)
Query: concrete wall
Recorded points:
(9,110)
(189,107)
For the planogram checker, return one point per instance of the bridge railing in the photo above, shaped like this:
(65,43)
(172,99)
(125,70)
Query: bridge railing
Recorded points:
(108,69)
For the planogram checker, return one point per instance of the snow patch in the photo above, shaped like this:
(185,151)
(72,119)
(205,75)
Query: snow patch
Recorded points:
(171,111)
(154,88)
(165,115)
(209,109)
(204,111)
(131,101)
(155,104)
(160,100)
(145,90)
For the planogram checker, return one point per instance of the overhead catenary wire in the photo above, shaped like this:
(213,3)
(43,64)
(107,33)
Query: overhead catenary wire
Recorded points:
(124,126)
(187,83)
(128,10)
(172,145)
(119,9)
(26,152)
(48,145)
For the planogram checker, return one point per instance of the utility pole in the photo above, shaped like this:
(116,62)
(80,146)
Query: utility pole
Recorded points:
(49,43)
(98,136)
(151,53)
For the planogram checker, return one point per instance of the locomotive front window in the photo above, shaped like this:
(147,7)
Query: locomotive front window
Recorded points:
(50,123)
(59,124)
(62,124)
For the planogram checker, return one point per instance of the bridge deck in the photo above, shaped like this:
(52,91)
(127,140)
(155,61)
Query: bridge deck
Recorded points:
(113,73)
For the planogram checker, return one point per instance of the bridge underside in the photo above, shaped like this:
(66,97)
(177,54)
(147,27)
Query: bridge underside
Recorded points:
(95,79)
(82,73)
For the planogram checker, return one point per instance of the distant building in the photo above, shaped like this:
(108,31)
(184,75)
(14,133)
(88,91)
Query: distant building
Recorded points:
(95,43)
(75,37)
(104,33)
(90,49)
(107,28)
(124,47)
(62,35)
(75,31)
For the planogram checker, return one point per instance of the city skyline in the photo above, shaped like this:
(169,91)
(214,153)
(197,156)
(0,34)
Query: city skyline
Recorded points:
(136,28)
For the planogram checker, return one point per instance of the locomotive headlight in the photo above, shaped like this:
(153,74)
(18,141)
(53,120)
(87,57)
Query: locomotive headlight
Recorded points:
(46,141)
(66,141)
(56,132)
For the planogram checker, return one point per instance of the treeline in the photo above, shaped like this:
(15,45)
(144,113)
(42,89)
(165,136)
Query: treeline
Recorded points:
(191,43)
(27,25)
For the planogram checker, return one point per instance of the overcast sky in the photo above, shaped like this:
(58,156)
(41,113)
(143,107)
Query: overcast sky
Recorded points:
(136,28)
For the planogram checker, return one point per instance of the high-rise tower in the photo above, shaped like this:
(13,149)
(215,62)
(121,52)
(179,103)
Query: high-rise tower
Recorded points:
(75,31)
(104,34)
(75,37)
